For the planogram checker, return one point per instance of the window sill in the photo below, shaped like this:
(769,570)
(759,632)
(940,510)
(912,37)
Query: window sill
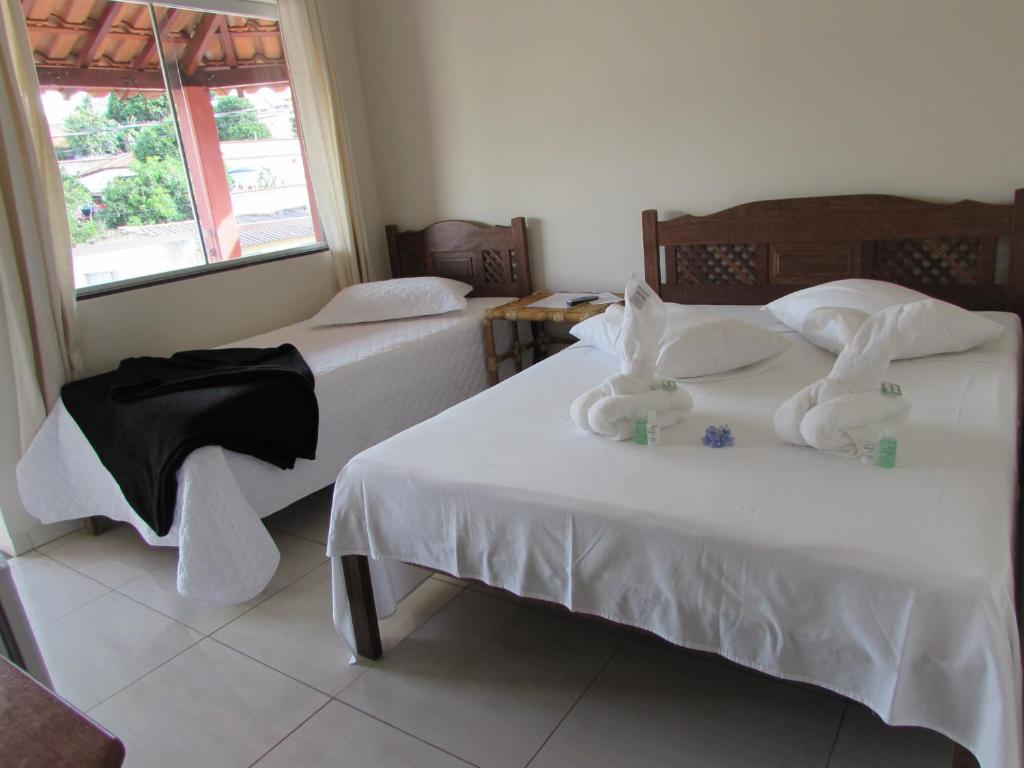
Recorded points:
(120,286)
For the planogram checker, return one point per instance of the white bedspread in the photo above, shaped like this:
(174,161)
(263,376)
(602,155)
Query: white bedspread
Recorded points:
(372,381)
(890,587)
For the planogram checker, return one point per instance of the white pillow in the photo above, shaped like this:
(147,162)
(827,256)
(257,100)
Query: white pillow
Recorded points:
(697,342)
(393,299)
(602,331)
(828,316)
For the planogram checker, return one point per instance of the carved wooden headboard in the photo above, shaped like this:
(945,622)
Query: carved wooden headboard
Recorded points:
(495,260)
(969,253)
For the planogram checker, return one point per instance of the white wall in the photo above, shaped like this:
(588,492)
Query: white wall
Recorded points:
(203,311)
(579,114)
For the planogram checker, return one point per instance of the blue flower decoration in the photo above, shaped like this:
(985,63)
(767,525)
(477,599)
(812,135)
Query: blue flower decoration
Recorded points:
(717,437)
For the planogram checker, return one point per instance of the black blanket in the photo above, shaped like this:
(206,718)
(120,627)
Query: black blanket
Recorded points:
(146,417)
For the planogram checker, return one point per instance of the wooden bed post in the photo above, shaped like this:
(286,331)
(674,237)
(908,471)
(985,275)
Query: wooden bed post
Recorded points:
(1015,276)
(360,602)
(652,260)
(94,525)
(962,758)
(391,231)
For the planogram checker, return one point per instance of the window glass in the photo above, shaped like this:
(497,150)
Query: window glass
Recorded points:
(177,148)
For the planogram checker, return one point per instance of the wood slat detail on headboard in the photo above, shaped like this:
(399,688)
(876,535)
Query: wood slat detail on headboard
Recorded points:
(756,252)
(495,260)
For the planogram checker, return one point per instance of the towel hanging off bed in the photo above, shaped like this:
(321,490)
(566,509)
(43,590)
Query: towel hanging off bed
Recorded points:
(146,417)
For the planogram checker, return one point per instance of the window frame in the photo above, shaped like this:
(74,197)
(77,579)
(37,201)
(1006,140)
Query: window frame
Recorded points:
(200,270)
(256,9)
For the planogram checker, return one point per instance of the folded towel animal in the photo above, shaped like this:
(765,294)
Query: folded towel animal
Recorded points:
(847,408)
(612,408)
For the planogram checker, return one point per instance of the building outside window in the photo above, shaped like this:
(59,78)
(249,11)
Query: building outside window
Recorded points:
(176,135)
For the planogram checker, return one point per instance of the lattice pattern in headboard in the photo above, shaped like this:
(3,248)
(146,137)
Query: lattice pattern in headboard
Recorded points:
(935,260)
(495,260)
(757,252)
(715,263)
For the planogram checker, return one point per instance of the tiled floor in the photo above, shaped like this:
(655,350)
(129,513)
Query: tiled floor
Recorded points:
(469,677)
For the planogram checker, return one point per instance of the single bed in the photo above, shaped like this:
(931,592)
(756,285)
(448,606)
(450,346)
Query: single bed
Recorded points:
(893,588)
(372,381)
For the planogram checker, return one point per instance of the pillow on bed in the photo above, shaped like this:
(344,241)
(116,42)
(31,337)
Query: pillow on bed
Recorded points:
(828,316)
(696,342)
(393,299)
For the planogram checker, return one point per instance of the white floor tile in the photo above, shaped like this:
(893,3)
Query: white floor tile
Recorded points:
(13,561)
(484,679)
(655,706)
(49,590)
(864,740)
(98,649)
(159,589)
(451,579)
(422,603)
(209,706)
(67,538)
(309,518)
(115,557)
(293,631)
(341,737)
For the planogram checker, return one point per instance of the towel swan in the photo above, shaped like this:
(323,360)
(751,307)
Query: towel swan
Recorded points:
(612,408)
(847,408)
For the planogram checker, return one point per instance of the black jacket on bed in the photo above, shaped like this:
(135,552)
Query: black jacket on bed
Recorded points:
(146,417)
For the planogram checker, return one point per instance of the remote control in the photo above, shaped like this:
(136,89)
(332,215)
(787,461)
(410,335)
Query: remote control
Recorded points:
(580,300)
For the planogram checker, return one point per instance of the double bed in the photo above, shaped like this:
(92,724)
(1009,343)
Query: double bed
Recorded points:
(894,588)
(372,380)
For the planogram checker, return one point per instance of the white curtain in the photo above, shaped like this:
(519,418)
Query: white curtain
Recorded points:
(36,277)
(317,94)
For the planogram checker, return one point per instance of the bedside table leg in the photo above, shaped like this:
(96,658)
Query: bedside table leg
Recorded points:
(540,341)
(517,347)
(491,355)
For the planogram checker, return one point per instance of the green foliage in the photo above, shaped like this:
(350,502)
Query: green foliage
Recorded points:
(158,142)
(240,127)
(133,110)
(137,109)
(90,137)
(77,197)
(157,193)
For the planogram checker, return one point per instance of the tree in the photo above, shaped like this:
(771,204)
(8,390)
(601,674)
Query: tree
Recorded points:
(91,134)
(238,127)
(137,109)
(156,141)
(134,110)
(76,199)
(157,193)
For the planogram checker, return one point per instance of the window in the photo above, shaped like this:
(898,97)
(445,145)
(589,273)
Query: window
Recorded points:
(176,136)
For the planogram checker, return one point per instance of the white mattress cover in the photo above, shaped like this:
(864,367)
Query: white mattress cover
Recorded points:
(372,381)
(891,587)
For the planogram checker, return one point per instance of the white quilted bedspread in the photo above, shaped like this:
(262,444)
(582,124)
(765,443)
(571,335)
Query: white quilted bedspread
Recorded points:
(373,380)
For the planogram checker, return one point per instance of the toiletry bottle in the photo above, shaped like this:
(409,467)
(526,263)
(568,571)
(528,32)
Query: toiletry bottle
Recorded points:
(640,432)
(887,449)
(869,452)
(653,429)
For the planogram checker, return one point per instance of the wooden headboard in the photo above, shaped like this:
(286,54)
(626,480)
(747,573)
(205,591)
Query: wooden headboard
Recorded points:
(495,260)
(968,253)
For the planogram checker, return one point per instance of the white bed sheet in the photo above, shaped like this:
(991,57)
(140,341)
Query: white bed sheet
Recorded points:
(372,381)
(890,587)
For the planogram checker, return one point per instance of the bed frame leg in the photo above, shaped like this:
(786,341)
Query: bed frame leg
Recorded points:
(360,601)
(95,525)
(962,758)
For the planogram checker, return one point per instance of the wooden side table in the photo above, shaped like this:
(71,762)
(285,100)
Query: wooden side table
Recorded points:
(518,310)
